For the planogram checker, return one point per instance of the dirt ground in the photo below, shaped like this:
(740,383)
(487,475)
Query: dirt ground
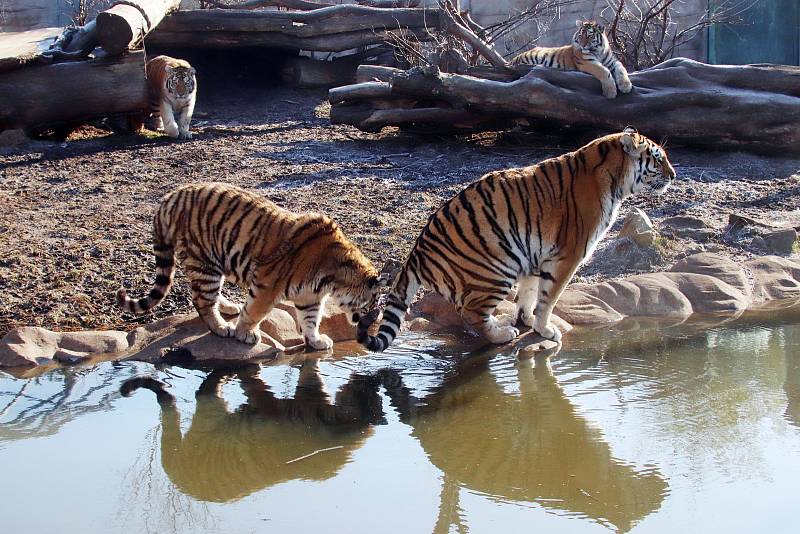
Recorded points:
(75,216)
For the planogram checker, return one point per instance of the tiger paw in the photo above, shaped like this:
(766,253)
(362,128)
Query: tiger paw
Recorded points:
(610,91)
(549,332)
(224,329)
(322,342)
(186,134)
(625,86)
(251,337)
(502,334)
(525,318)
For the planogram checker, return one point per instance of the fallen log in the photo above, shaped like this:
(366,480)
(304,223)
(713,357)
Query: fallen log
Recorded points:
(330,29)
(124,25)
(18,49)
(42,96)
(307,72)
(750,107)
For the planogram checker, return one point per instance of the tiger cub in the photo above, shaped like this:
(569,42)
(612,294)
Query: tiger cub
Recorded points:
(533,225)
(220,232)
(172,89)
(589,53)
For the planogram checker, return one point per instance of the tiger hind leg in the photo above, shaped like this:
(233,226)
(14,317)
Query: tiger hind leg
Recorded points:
(206,285)
(554,278)
(481,318)
(526,300)
(260,300)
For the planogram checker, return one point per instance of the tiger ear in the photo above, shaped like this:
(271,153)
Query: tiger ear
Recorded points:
(629,144)
(192,71)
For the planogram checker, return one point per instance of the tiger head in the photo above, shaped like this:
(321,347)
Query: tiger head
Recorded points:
(590,36)
(180,80)
(357,287)
(649,167)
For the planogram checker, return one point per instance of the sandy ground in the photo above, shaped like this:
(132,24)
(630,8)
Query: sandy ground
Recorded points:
(75,216)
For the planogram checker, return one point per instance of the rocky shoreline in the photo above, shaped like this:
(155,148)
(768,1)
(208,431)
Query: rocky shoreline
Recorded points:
(704,283)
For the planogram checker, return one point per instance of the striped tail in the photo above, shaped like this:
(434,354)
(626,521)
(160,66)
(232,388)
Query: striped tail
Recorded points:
(165,268)
(158,387)
(397,303)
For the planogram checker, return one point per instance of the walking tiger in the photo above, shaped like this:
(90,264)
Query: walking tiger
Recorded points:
(218,231)
(589,53)
(172,90)
(533,225)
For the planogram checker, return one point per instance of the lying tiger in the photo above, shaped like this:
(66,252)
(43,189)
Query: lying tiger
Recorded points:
(218,232)
(172,88)
(589,53)
(533,226)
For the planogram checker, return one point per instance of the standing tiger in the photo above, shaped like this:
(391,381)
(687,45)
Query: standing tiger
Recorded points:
(218,232)
(534,225)
(589,53)
(172,89)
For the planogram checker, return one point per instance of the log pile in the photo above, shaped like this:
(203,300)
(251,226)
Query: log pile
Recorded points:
(748,107)
(328,29)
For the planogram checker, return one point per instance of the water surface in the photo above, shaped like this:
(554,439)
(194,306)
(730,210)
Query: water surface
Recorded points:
(645,426)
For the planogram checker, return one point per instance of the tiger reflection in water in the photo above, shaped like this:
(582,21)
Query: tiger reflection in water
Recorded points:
(226,455)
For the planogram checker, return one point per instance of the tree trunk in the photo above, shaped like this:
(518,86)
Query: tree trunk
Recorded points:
(124,25)
(42,96)
(329,29)
(754,107)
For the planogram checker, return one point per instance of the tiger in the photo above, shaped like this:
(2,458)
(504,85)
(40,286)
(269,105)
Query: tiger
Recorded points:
(172,89)
(221,232)
(533,226)
(589,53)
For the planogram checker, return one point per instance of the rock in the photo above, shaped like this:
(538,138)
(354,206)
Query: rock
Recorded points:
(435,308)
(506,307)
(32,345)
(186,338)
(13,138)
(780,241)
(577,307)
(281,326)
(774,278)
(718,266)
(639,228)
(336,325)
(418,325)
(688,227)
(623,254)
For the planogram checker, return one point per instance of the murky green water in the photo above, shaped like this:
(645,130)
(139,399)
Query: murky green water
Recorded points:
(644,427)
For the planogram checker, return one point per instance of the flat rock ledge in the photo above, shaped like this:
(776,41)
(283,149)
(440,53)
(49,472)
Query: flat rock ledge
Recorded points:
(704,283)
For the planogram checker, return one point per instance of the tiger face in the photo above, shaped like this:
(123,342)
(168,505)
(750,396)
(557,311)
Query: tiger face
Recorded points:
(589,36)
(180,81)
(651,170)
(357,301)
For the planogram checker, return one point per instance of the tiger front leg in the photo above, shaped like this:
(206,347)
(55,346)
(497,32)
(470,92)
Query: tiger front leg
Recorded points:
(184,120)
(310,314)
(259,303)
(604,75)
(168,120)
(554,277)
(526,300)
(621,77)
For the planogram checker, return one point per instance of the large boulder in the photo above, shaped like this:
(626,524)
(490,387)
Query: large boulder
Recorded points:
(281,326)
(774,278)
(578,308)
(686,226)
(718,266)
